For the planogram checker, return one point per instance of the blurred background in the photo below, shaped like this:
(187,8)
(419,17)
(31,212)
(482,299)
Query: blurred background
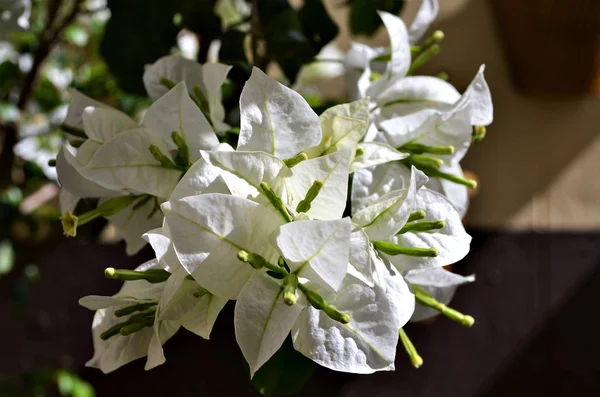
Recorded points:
(535,218)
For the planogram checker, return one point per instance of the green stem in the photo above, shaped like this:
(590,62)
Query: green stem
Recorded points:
(153,276)
(424,298)
(422,227)
(394,249)
(415,359)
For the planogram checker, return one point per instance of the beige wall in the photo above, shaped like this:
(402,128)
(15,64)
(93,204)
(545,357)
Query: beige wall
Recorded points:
(540,162)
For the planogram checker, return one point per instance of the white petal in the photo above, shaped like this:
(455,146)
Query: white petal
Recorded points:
(414,93)
(425,16)
(162,331)
(262,320)
(332,169)
(366,344)
(368,185)
(125,163)
(478,99)
(452,242)
(457,194)
(275,119)
(213,77)
(209,230)
(76,106)
(400,50)
(316,250)
(343,126)
(101,124)
(246,170)
(404,129)
(175,111)
(71,178)
(174,68)
(386,216)
(439,283)
(361,263)
(133,221)
(201,177)
(375,153)
(68,201)
(160,241)
(201,318)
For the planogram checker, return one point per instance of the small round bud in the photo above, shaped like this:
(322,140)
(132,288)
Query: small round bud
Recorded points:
(416,360)
(438,35)
(243,256)
(468,321)
(110,272)
(69,224)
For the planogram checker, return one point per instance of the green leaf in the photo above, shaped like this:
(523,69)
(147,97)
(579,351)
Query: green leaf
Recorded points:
(285,373)
(9,75)
(47,95)
(363,14)
(7,257)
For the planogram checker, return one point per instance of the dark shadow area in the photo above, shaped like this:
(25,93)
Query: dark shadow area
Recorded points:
(536,331)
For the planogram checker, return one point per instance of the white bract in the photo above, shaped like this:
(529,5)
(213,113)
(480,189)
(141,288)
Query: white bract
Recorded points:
(266,224)
(119,350)
(439,283)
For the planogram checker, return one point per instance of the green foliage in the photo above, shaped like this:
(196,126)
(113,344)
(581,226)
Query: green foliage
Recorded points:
(47,95)
(295,37)
(363,14)
(138,32)
(285,373)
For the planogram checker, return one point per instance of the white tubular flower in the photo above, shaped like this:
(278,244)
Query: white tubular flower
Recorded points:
(115,347)
(203,82)
(440,283)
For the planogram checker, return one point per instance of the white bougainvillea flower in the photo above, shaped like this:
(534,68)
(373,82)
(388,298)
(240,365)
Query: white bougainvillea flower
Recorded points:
(275,119)
(121,159)
(119,350)
(208,79)
(209,230)
(183,299)
(368,342)
(369,184)
(451,241)
(313,250)
(14,16)
(457,194)
(375,153)
(243,172)
(332,170)
(426,14)
(439,283)
(385,216)
(343,126)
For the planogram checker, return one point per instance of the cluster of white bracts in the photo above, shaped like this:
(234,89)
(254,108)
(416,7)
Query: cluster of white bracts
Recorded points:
(280,196)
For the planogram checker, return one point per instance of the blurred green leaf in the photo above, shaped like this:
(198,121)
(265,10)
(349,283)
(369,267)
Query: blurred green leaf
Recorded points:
(47,95)
(138,33)
(70,385)
(318,26)
(77,35)
(7,257)
(285,373)
(363,14)
(9,75)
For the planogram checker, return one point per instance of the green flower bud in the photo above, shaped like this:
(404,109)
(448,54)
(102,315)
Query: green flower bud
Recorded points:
(165,82)
(394,249)
(292,161)
(417,215)
(319,303)
(415,359)
(110,207)
(151,275)
(421,161)
(424,57)
(478,133)
(159,156)
(313,192)
(422,227)
(424,298)
(418,148)
(275,201)
(140,307)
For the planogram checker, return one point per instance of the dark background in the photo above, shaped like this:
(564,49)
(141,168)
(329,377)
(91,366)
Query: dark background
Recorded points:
(535,303)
